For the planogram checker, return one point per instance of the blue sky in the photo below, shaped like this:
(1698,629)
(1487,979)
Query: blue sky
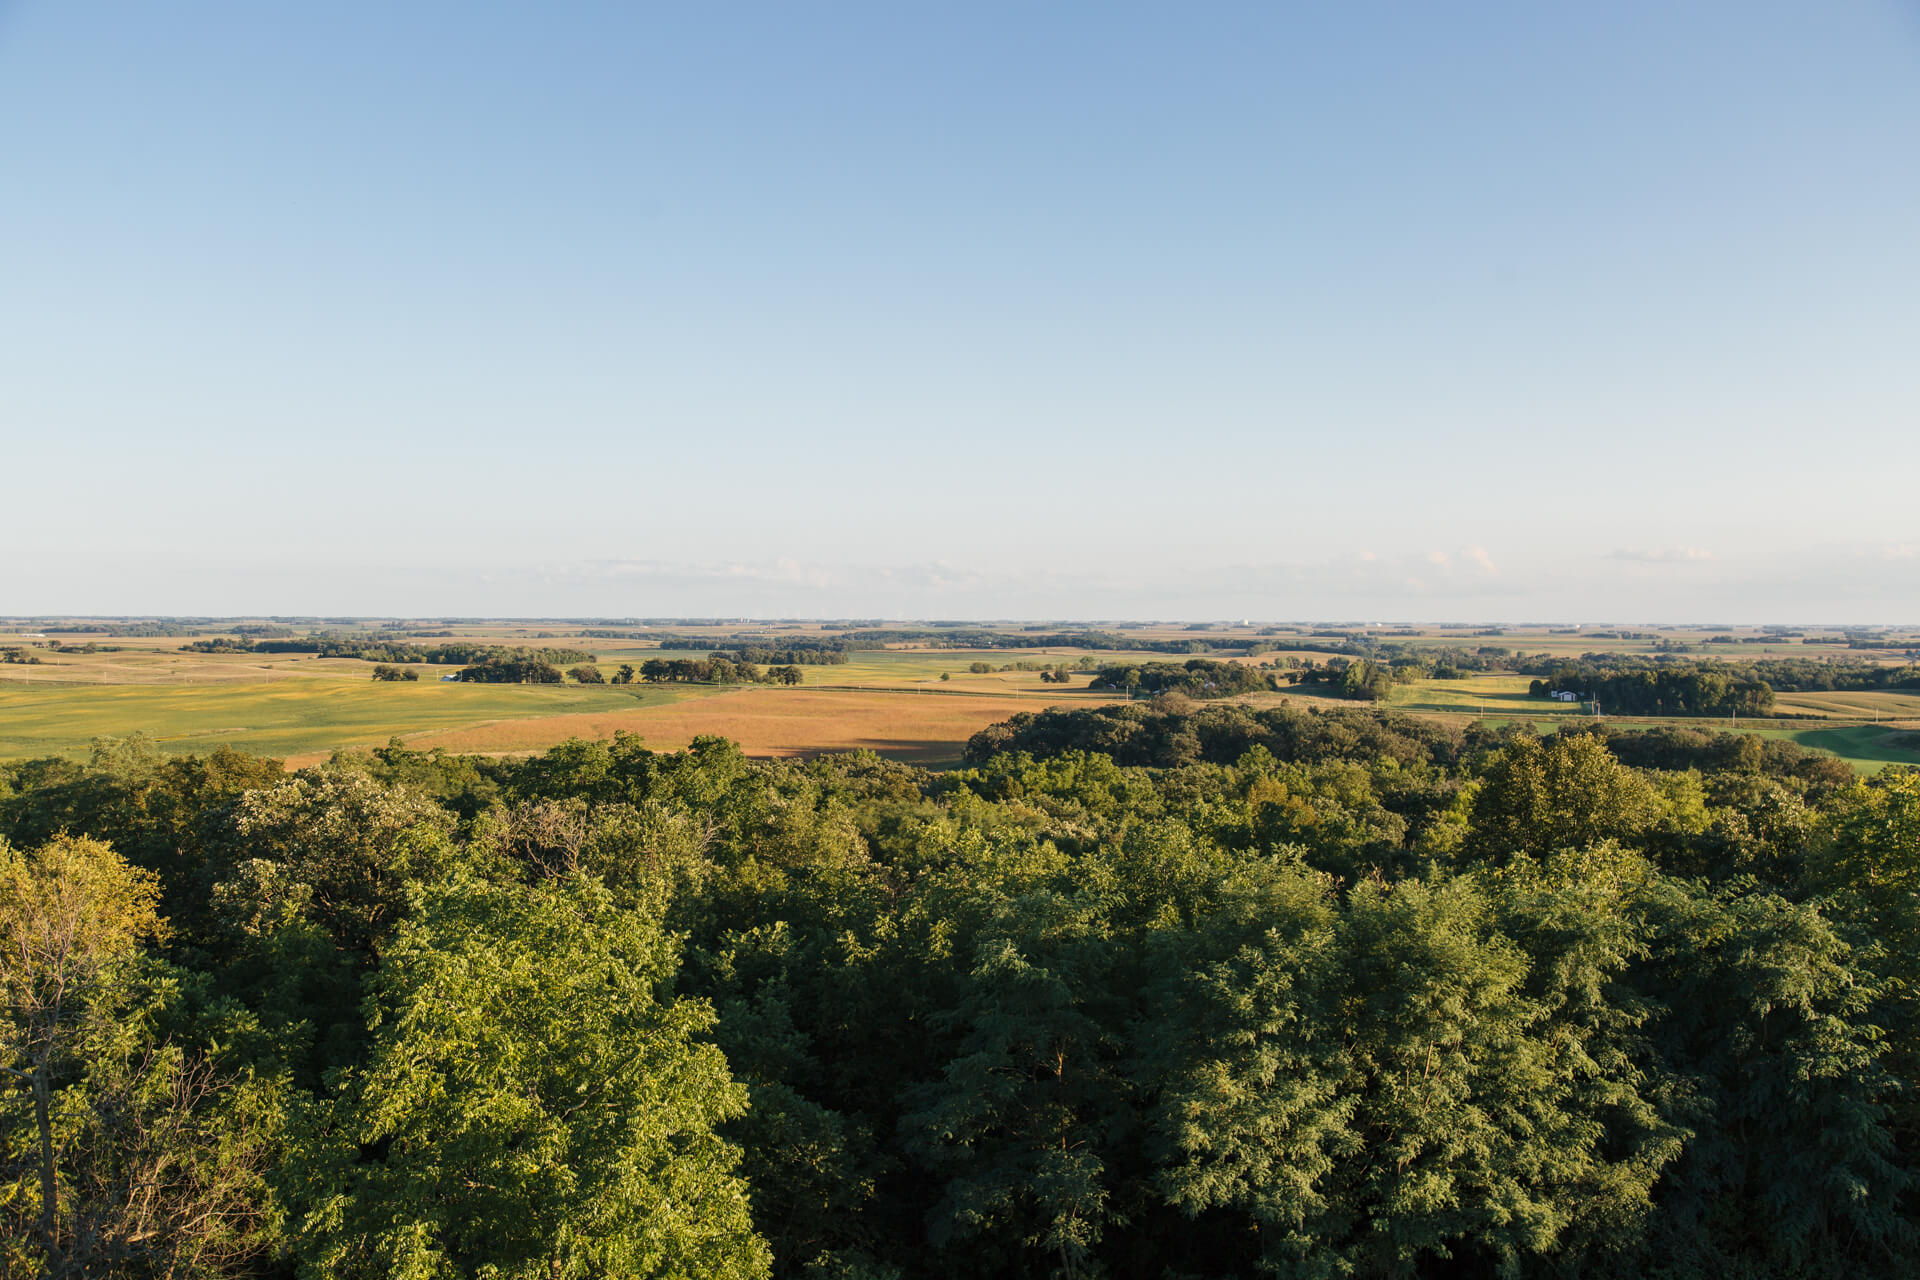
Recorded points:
(1398,311)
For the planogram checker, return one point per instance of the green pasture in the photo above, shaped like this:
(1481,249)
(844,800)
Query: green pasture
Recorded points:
(284,717)
(1492,695)
(1866,704)
(1867,747)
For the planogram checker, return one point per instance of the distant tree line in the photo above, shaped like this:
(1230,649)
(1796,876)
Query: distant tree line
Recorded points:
(751,641)
(123,629)
(1634,685)
(388,648)
(1783,675)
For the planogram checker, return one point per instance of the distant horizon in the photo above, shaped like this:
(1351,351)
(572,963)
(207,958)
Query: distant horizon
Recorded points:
(879,621)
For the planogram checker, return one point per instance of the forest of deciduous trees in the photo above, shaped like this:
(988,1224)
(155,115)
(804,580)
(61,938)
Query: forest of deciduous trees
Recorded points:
(1136,993)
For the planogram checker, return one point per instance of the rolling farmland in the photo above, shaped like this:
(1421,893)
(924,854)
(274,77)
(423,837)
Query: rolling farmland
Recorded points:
(908,700)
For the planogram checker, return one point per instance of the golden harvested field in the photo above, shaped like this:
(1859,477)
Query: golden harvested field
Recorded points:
(925,728)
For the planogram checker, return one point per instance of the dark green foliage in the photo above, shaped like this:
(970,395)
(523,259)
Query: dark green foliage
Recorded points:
(718,669)
(505,670)
(1143,991)
(1196,677)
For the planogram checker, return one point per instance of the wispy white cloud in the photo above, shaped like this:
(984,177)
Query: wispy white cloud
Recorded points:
(1662,555)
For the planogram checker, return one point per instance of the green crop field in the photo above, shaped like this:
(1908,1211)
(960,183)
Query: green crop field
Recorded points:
(1489,695)
(297,717)
(1877,704)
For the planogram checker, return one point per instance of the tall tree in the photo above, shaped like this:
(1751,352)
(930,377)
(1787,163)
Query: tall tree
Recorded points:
(534,1104)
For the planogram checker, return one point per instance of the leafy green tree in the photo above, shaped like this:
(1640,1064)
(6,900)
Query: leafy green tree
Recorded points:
(139,1152)
(72,915)
(344,846)
(1019,1125)
(534,1104)
(1242,1042)
(1566,795)
(1867,863)
(1772,1056)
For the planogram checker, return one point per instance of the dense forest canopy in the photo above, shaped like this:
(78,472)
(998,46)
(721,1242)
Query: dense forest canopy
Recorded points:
(1140,991)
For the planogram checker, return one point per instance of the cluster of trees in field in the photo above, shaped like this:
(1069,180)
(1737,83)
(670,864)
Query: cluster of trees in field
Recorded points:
(1362,679)
(1135,993)
(1632,685)
(391,674)
(1686,689)
(20,654)
(1196,678)
(391,649)
(717,668)
(760,655)
(508,668)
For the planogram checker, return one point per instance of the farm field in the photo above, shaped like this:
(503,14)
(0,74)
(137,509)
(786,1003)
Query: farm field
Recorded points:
(911,700)
(1878,704)
(297,718)
(1488,696)
(303,708)
(923,728)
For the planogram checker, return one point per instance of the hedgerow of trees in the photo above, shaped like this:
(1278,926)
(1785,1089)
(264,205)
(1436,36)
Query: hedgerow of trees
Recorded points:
(392,649)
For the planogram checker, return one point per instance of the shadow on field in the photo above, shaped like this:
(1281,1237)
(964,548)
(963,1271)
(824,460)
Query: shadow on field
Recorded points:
(1864,742)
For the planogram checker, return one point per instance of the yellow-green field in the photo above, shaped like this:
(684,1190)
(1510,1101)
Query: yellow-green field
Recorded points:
(292,717)
(1878,705)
